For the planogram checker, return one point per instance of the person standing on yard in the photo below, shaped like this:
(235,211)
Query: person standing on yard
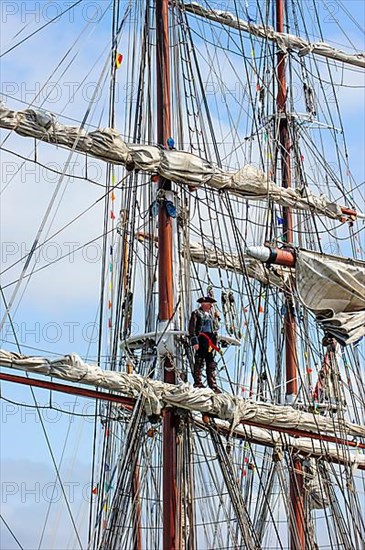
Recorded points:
(203,326)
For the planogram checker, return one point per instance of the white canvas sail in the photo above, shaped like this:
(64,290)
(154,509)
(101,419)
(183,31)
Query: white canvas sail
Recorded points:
(179,166)
(334,290)
(158,394)
(284,41)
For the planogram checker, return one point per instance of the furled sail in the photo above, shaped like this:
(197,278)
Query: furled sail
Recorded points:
(284,41)
(178,166)
(219,258)
(216,257)
(159,394)
(334,289)
(304,445)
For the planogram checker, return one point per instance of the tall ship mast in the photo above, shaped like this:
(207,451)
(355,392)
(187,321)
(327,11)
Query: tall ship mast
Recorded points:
(203,241)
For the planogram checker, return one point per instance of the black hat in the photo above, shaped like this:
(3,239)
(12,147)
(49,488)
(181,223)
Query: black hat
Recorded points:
(206,299)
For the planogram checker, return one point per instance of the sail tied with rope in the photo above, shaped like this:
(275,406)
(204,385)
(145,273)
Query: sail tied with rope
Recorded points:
(159,394)
(178,166)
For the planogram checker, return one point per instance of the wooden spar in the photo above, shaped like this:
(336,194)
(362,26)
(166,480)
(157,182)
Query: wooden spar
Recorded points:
(300,433)
(267,33)
(296,513)
(114,152)
(126,402)
(165,277)
(277,256)
(129,402)
(283,257)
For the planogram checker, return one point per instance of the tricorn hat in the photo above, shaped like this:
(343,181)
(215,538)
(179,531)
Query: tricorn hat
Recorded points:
(206,299)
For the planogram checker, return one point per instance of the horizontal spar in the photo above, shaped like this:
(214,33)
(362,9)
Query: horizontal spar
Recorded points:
(158,395)
(284,41)
(317,445)
(256,434)
(181,167)
(126,402)
(219,258)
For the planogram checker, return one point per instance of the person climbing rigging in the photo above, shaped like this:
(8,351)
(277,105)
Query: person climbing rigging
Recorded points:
(203,326)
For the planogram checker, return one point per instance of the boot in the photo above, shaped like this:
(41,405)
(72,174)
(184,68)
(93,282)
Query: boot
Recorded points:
(211,377)
(198,369)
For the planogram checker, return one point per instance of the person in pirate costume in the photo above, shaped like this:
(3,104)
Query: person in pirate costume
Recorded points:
(203,326)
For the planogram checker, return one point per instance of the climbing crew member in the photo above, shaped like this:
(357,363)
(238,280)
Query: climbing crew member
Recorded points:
(203,326)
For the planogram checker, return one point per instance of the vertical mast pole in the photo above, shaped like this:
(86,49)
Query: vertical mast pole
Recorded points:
(290,345)
(296,516)
(165,275)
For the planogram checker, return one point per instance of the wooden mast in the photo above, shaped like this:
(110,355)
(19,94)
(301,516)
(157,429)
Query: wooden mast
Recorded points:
(290,344)
(296,515)
(165,275)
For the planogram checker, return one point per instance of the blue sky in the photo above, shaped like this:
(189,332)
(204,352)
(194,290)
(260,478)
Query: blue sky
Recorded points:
(60,306)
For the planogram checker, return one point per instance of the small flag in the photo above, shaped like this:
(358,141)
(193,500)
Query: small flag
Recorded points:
(112,215)
(95,491)
(280,220)
(118,60)
(113,196)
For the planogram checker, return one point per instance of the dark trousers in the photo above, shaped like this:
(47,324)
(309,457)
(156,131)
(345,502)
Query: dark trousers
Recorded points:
(204,354)
(203,351)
